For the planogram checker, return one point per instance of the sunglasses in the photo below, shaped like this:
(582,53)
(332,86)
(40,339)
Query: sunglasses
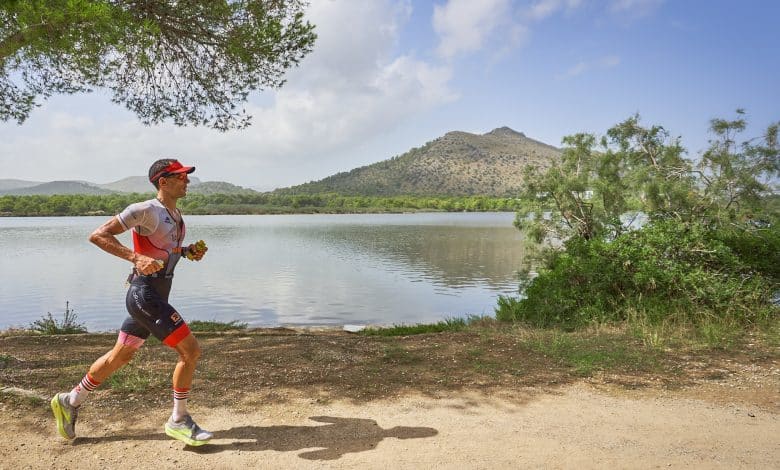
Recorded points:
(178,176)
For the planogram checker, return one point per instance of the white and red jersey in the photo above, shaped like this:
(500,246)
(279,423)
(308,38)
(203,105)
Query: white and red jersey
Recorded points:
(157,232)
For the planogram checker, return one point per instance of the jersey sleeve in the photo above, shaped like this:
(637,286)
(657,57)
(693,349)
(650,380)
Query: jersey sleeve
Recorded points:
(140,216)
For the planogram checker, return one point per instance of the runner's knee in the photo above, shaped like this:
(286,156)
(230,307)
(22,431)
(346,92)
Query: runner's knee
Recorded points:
(190,352)
(122,355)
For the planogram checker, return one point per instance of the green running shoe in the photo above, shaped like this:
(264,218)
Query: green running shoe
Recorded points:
(187,431)
(65,414)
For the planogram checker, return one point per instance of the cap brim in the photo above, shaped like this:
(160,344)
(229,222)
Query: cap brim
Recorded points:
(184,169)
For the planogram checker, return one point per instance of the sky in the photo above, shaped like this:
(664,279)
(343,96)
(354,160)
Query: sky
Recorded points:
(386,76)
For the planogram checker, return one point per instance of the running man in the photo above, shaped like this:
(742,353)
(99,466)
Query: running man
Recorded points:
(158,232)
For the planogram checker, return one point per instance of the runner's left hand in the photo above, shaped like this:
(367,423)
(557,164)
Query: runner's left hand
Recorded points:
(197,250)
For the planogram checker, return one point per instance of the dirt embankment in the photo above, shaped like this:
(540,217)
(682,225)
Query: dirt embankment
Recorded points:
(289,399)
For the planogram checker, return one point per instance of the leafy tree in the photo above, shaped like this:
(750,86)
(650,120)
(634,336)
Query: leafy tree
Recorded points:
(190,61)
(737,179)
(598,181)
(710,247)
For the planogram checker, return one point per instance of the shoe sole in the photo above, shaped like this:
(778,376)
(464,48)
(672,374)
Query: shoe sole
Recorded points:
(59,416)
(187,440)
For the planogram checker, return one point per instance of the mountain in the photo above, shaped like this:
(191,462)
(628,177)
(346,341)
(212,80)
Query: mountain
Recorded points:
(58,187)
(456,164)
(218,187)
(131,184)
(11,184)
(137,184)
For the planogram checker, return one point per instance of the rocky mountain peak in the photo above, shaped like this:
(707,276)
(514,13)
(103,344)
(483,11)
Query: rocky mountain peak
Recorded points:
(505,132)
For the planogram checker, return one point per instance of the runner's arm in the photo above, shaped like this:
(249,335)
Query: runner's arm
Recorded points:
(105,238)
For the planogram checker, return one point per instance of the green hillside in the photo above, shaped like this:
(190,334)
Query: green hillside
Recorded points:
(218,187)
(456,164)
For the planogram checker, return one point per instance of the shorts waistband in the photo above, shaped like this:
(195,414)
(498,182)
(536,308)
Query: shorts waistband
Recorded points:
(157,275)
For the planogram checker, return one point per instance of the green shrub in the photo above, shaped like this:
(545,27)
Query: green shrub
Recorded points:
(669,270)
(68,326)
(759,249)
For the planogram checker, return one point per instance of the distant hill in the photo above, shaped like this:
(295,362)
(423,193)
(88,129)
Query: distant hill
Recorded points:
(10,184)
(58,187)
(137,184)
(456,164)
(131,184)
(218,187)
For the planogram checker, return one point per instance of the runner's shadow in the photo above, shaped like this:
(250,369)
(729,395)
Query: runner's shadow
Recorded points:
(340,436)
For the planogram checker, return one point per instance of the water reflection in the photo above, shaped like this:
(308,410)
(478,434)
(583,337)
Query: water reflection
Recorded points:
(467,256)
(275,270)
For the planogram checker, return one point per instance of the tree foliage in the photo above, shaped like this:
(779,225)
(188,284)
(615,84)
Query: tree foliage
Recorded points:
(735,180)
(600,182)
(190,61)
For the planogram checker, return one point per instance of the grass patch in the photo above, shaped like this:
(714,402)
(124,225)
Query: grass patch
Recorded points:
(216,326)
(48,325)
(718,335)
(587,353)
(771,333)
(133,379)
(449,324)
(396,354)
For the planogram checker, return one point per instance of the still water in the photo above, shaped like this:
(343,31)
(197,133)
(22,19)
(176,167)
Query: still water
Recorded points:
(274,270)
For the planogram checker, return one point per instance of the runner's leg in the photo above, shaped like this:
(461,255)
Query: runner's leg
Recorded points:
(181,425)
(189,352)
(122,352)
(65,406)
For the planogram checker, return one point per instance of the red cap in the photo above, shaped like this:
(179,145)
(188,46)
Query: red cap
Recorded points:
(172,169)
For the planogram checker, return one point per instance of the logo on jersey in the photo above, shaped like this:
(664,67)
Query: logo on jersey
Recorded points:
(168,220)
(176,318)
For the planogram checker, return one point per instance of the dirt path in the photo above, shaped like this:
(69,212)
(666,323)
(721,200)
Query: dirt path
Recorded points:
(578,426)
(486,398)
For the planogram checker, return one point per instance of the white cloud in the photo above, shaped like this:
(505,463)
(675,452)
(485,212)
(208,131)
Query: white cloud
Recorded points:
(352,86)
(464,25)
(468,26)
(545,8)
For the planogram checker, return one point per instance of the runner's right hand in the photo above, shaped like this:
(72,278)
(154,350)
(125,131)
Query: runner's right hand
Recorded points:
(146,265)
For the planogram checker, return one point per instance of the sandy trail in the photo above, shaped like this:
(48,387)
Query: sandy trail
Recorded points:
(579,426)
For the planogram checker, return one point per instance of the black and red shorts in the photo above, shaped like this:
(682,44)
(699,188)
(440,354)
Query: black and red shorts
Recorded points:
(150,312)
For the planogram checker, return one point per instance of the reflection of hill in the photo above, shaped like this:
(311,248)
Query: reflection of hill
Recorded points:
(447,255)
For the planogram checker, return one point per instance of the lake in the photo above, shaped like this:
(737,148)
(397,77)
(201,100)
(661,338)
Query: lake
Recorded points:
(274,270)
